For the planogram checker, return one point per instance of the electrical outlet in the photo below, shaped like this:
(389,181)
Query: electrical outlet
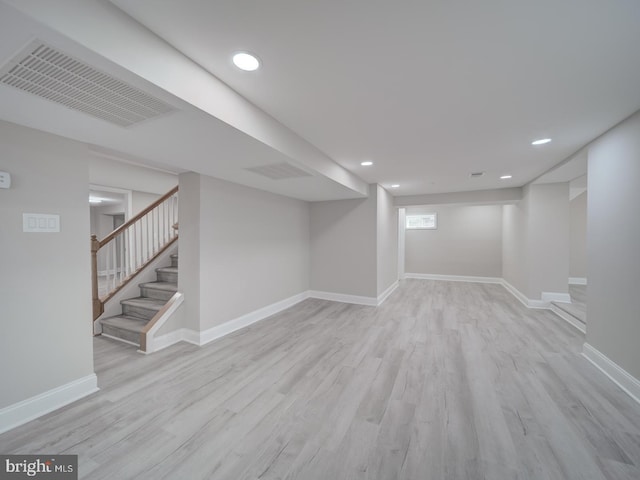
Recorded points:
(5,180)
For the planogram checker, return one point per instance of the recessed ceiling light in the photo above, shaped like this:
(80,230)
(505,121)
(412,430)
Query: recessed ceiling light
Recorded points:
(395,185)
(245,61)
(506,177)
(542,141)
(366,164)
(95,200)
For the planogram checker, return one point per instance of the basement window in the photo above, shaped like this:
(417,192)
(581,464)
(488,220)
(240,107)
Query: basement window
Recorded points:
(427,221)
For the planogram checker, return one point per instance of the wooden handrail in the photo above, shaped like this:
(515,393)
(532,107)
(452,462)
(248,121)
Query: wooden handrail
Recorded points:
(111,294)
(126,225)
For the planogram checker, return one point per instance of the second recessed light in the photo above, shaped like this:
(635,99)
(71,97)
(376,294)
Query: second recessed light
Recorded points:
(542,141)
(366,164)
(506,177)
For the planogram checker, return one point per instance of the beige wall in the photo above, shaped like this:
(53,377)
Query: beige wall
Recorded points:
(613,245)
(387,240)
(251,249)
(536,241)
(578,236)
(46,338)
(468,241)
(343,246)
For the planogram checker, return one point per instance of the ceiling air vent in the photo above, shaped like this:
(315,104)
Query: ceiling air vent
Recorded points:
(279,171)
(55,76)
(476,174)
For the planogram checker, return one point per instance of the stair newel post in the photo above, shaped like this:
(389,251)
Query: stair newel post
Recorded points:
(98,307)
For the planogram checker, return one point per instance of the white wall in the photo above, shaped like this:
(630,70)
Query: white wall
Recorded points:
(613,245)
(189,248)
(548,239)
(141,200)
(536,241)
(387,240)
(514,244)
(468,241)
(343,246)
(252,249)
(578,236)
(46,338)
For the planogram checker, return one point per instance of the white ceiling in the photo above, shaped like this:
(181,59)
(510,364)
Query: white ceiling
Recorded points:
(429,91)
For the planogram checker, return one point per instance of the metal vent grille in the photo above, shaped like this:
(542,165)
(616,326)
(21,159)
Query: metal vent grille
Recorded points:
(476,174)
(279,171)
(53,75)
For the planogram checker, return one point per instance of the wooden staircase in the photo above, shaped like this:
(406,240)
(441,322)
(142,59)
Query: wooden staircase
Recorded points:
(139,311)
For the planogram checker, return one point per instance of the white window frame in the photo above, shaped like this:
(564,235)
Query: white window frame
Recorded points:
(424,221)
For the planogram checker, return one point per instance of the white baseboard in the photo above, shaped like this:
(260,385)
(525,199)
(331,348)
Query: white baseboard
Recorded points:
(617,374)
(527,302)
(543,303)
(384,295)
(168,339)
(453,278)
(577,281)
(213,333)
(250,318)
(34,407)
(121,340)
(570,319)
(555,297)
(344,298)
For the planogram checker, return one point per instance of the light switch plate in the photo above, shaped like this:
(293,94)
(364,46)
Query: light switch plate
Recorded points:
(40,223)
(5,180)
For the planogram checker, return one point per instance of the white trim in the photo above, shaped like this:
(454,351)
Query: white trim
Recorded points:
(570,319)
(171,338)
(577,281)
(341,297)
(250,318)
(543,303)
(453,278)
(121,340)
(153,345)
(617,374)
(213,333)
(555,297)
(384,295)
(527,302)
(34,407)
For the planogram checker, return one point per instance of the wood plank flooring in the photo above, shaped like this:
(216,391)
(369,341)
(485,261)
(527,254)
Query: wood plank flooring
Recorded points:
(445,380)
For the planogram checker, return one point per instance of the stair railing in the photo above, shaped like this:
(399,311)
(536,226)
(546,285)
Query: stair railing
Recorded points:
(121,255)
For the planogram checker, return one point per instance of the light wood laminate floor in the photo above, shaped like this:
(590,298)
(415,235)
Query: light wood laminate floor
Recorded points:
(445,380)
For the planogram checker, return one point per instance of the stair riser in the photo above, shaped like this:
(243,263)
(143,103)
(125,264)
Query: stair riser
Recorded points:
(132,337)
(139,312)
(167,277)
(155,293)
